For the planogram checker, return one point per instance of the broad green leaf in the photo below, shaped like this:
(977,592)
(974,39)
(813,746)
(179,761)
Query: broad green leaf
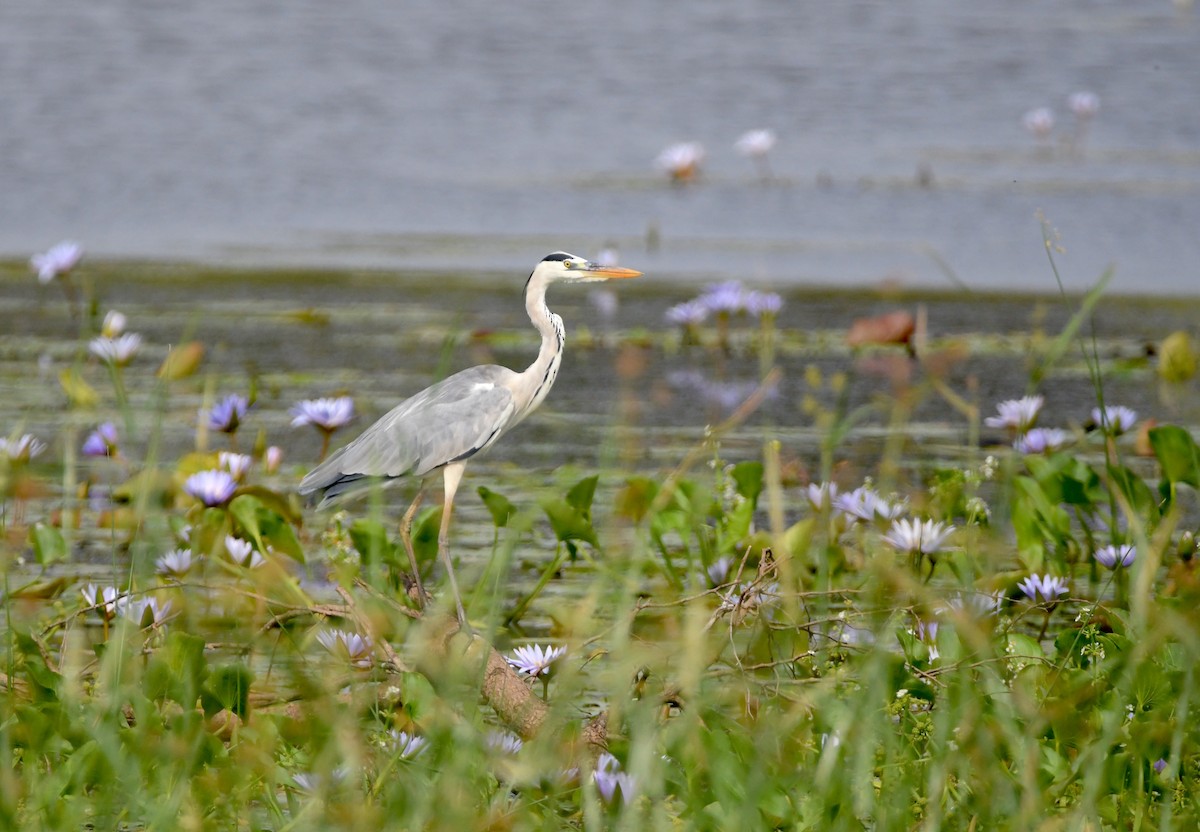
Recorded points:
(499,506)
(635,498)
(568,522)
(177,671)
(228,688)
(244,509)
(748,477)
(1177,454)
(582,493)
(371,541)
(49,545)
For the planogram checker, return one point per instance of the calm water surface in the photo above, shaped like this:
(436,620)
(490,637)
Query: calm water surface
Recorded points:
(476,135)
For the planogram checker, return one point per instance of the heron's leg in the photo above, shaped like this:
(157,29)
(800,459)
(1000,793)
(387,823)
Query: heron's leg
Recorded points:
(406,538)
(451,475)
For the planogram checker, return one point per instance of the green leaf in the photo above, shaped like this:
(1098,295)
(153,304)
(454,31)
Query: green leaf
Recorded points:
(178,670)
(499,506)
(49,545)
(279,534)
(370,540)
(635,498)
(244,511)
(569,523)
(582,493)
(228,689)
(1177,454)
(748,477)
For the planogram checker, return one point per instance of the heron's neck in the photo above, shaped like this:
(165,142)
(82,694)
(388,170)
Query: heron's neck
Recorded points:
(539,378)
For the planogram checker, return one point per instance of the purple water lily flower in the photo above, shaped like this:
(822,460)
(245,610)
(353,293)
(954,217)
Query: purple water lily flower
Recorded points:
(326,414)
(1114,419)
(763,304)
(610,780)
(688,313)
(354,648)
(1043,589)
(1017,415)
(226,415)
(102,441)
(727,298)
(1116,556)
(213,488)
(1040,441)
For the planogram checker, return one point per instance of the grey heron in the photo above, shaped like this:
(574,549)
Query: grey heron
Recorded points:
(445,425)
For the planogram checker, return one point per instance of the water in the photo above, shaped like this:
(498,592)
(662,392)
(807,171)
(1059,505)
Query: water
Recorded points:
(477,135)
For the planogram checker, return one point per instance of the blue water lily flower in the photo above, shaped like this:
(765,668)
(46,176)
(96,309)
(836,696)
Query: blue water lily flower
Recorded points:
(226,415)
(103,441)
(213,488)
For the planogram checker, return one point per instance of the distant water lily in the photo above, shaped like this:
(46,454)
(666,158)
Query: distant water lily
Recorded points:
(213,488)
(726,298)
(119,350)
(1115,557)
(757,145)
(681,161)
(23,449)
(1114,419)
(58,260)
(326,415)
(1083,104)
(1039,122)
(103,441)
(1040,441)
(535,660)
(1016,415)
(763,304)
(718,572)
(690,313)
(351,646)
(226,415)
(272,459)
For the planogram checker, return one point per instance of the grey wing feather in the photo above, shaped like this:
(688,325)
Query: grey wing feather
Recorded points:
(450,421)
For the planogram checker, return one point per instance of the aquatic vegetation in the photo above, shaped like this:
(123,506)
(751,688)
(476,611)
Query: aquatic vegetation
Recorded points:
(746,636)
(227,414)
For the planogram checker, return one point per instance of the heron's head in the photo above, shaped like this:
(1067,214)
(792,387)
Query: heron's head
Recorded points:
(564,267)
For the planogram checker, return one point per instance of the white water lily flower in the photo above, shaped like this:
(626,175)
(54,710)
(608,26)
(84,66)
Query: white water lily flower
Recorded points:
(347,644)
(504,742)
(755,143)
(327,414)
(236,464)
(114,324)
(104,598)
(1039,122)
(24,449)
(820,495)
(408,745)
(864,504)
(1017,415)
(915,536)
(243,553)
(144,612)
(58,260)
(175,564)
(535,660)
(1114,419)
(119,351)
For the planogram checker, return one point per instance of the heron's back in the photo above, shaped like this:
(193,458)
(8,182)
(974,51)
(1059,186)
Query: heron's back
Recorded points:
(449,421)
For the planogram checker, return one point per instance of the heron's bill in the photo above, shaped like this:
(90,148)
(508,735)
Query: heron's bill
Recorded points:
(612,271)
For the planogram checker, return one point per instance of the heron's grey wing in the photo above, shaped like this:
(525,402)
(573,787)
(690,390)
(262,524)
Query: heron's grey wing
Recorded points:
(451,420)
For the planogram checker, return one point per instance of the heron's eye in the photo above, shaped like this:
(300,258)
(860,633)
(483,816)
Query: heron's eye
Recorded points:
(570,264)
